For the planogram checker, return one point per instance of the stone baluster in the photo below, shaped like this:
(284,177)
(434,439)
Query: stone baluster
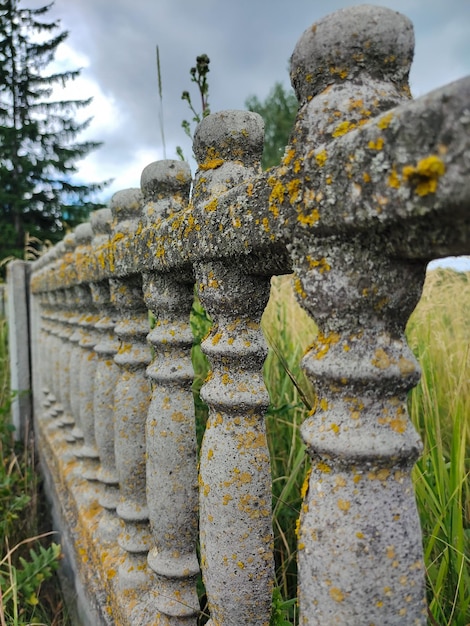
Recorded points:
(47,315)
(88,360)
(79,299)
(43,335)
(55,321)
(106,377)
(360,553)
(131,395)
(68,321)
(235,475)
(46,339)
(171,437)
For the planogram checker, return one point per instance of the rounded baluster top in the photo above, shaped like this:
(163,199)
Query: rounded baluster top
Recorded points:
(126,205)
(162,178)
(229,136)
(70,242)
(365,39)
(83,234)
(60,248)
(101,221)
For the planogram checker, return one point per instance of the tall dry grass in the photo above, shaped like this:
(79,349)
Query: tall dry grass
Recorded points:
(439,333)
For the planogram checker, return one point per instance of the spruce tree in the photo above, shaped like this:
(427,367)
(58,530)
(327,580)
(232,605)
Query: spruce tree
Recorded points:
(38,146)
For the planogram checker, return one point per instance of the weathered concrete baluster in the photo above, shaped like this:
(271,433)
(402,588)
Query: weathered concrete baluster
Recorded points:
(88,359)
(235,475)
(47,341)
(68,319)
(76,436)
(360,553)
(43,338)
(132,393)
(55,319)
(106,377)
(59,354)
(79,297)
(47,314)
(171,436)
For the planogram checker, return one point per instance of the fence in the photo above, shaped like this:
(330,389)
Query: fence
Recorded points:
(372,186)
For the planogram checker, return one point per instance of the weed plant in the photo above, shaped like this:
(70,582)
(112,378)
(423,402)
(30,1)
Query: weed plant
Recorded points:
(28,558)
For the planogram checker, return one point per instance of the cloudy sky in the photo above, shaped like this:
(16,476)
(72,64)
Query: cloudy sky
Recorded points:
(249,43)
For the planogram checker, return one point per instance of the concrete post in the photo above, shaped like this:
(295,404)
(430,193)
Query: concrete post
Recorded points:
(18,338)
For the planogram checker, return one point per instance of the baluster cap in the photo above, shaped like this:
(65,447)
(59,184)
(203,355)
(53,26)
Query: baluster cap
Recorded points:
(229,136)
(365,39)
(163,178)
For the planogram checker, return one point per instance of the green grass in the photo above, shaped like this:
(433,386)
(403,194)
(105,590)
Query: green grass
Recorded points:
(439,333)
(28,558)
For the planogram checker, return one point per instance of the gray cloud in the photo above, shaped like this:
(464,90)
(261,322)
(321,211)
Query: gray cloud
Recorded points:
(249,43)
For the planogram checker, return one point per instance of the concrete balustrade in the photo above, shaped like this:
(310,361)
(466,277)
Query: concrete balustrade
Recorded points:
(372,186)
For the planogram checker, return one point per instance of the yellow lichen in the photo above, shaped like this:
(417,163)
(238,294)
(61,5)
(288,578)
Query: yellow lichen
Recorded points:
(336,594)
(211,164)
(216,338)
(323,344)
(381,359)
(293,187)
(355,104)
(338,71)
(406,366)
(299,289)
(376,145)
(311,219)
(393,179)
(398,424)
(323,467)
(321,157)
(288,156)
(211,205)
(425,174)
(322,264)
(384,122)
(343,128)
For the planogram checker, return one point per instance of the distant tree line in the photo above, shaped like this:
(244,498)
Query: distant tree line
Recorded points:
(38,146)
(278,112)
